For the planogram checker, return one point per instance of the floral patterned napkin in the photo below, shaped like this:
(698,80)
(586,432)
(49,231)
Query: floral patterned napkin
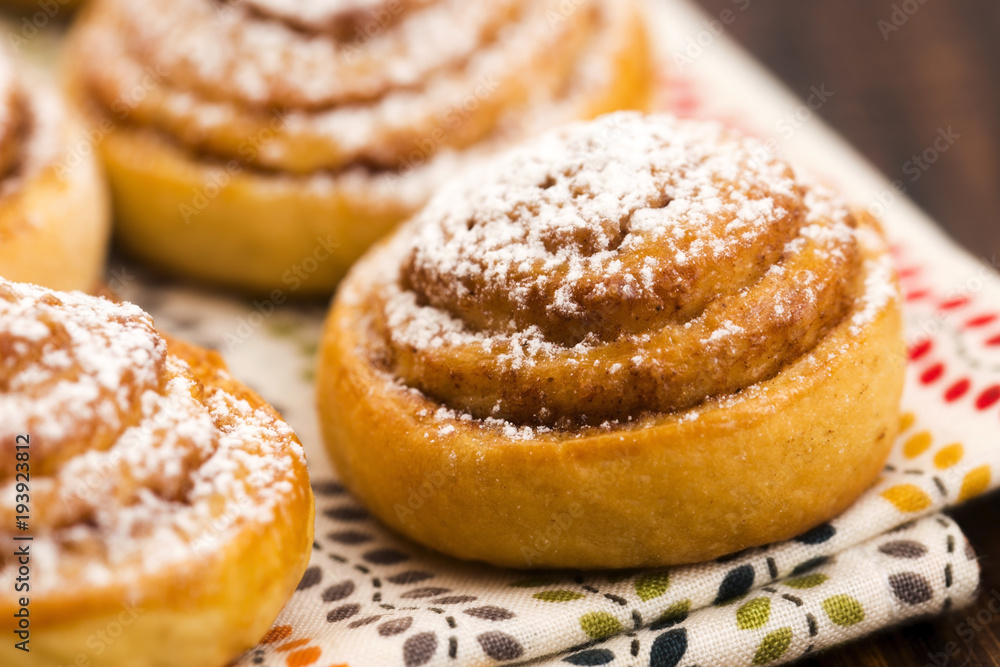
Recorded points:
(370,598)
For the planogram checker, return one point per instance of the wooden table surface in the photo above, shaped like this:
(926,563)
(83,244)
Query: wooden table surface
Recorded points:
(898,79)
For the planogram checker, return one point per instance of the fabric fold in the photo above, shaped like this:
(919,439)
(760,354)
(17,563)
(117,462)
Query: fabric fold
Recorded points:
(370,598)
(920,569)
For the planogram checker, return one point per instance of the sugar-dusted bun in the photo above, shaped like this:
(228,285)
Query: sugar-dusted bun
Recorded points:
(264,133)
(54,214)
(643,324)
(166,499)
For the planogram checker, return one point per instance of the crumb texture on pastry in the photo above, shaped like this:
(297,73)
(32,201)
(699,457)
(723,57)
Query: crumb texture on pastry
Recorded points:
(151,470)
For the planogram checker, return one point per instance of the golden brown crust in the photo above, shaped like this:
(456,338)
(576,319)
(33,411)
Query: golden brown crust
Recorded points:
(789,420)
(184,191)
(177,506)
(54,213)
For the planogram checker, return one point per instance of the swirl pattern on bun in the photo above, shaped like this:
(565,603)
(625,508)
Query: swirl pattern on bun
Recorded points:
(351,110)
(625,286)
(603,277)
(156,481)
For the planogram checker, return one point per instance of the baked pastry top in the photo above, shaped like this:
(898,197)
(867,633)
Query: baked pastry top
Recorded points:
(248,133)
(618,269)
(654,301)
(155,480)
(333,84)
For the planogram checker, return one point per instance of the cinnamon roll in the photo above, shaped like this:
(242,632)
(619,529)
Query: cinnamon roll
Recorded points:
(155,511)
(639,341)
(54,214)
(253,136)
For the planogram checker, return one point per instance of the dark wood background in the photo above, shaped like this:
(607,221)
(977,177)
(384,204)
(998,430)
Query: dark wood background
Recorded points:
(941,68)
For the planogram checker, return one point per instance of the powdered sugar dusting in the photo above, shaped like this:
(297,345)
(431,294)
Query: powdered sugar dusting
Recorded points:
(128,448)
(33,129)
(70,361)
(880,289)
(596,277)
(603,200)
(727,329)
(423,79)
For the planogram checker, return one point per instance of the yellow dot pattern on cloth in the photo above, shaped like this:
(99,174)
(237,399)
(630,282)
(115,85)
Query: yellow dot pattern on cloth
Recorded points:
(917,445)
(907,497)
(948,456)
(906,421)
(976,481)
